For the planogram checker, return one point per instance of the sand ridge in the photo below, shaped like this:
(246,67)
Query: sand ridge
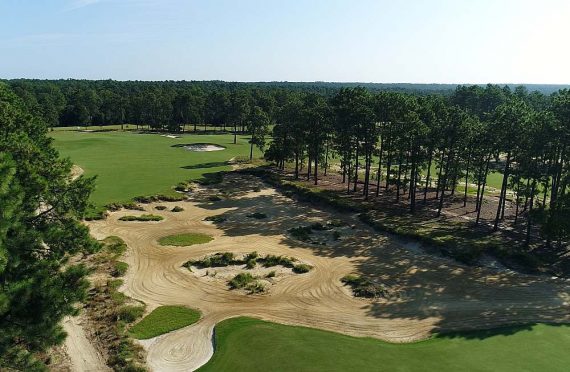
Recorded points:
(436,294)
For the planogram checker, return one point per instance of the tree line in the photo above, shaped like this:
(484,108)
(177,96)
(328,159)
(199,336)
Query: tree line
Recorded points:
(396,145)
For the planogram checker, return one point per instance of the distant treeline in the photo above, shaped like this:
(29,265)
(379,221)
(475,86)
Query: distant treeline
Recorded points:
(169,104)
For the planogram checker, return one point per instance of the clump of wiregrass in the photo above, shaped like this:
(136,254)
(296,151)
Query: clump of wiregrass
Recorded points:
(142,218)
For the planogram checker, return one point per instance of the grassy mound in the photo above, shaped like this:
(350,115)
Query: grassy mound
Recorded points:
(364,287)
(184,240)
(532,348)
(162,320)
(142,218)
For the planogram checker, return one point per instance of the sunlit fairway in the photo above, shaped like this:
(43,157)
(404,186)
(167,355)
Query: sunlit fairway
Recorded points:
(183,240)
(272,347)
(129,164)
(162,320)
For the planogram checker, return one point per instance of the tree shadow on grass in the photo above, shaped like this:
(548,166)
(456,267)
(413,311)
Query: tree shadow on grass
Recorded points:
(213,164)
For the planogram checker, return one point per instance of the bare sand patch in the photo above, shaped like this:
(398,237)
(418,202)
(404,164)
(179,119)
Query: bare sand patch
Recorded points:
(200,147)
(436,294)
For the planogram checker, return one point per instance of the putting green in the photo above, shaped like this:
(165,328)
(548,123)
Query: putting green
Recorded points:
(129,164)
(272,347)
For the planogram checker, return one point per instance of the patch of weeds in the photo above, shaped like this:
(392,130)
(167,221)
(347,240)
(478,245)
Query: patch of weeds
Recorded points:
(216,219)
(302,268)
(250,264)
(177,209)
(241,280)
(257,215)
(142,218)
(255,287)
(270,274)
(114,245)
(160,207)
(120,268)
(214,198)
(114,284)
(317,226)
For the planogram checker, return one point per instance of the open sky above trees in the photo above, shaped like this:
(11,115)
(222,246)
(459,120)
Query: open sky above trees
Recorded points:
(445,41)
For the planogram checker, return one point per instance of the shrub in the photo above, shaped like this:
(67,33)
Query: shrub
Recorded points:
(133,206)
(272,260)
(177,209)
(241,280)
(214,198)
(257,215)
(302,268)
(160,207)
(270,274)
(251,256)
(130,313)
(114,245)
(363,287)
(216,219)
(182,187)
(120,268)
(143,217)
(250,264)
(301,233)
(255,287)
(317,226)
(216,260)
(336,235)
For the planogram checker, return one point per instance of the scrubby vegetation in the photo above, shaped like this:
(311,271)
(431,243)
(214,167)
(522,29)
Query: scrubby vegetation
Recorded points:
(302,268)
(257,215)
(177,209)
(142,218)
(162,320)
(273,260)
(214,198)
(184,240)
(215,260)
(363,287)
(120,268)
(160,207)
(241,280)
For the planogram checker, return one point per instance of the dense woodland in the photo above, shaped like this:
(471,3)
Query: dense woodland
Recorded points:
(385,144)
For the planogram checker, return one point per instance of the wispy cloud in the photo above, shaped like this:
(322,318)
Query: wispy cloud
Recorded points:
(78,4)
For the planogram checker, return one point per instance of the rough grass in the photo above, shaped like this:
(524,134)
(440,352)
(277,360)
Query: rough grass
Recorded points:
(129,164)
(162,320)
(184,240)
(533,348)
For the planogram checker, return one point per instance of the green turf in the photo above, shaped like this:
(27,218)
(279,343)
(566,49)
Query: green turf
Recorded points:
(275,347)
(184,240)
(162,320)
(128,164)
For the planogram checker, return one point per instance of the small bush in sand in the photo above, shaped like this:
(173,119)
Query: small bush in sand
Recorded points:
(250,264)
(257,215)
(142,218)
(214,198)
(251,256)
(301,233)
(160,207)
(317,226)
(272,260)
(120,268)
(255,287)
(363,287)
(114,245)
(270,274)
(216,219)
(241,280)
(302,268)
(177,209)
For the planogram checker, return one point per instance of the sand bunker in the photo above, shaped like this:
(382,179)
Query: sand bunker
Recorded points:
(203,147)
(437,294)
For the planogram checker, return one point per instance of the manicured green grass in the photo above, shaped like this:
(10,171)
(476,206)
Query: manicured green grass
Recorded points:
(128,164)
(162,320)
(183,240)
(275,347)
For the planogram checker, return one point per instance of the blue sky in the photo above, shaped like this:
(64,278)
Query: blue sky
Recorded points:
(442,41)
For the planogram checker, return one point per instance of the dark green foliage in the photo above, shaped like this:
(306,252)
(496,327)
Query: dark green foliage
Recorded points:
(120,268)
(216,219)
(336,235)
(142,218)
(114,245)
(215,260)
(363,287)
(257,215)
(317,226)
(177,209)
(36,289)
(158,198)
(301,233)
(130,313)
(160,207)
(214,198)
(270,274)
(302,268)
(241,280)
(273,260)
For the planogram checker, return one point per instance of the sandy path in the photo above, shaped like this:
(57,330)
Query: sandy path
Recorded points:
(436,294)
(83,355)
